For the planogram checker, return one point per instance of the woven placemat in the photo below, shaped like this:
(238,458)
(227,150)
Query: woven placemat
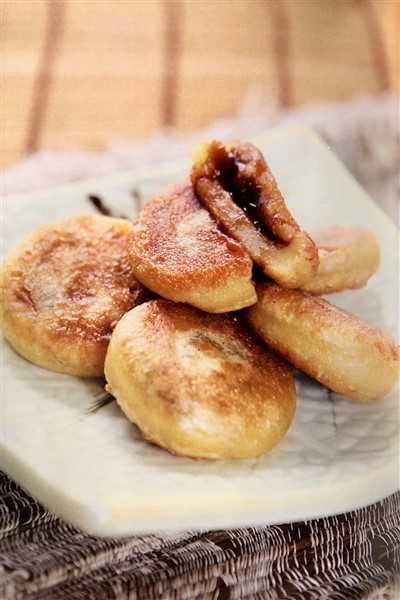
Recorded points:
(354,555)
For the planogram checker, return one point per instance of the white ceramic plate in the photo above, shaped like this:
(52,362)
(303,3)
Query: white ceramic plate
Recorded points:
(94,470)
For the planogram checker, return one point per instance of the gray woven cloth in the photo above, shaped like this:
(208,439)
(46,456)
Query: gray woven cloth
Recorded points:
(354,555)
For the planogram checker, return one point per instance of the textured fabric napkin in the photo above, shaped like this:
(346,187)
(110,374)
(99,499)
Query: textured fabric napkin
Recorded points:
(364,133)
(355,555)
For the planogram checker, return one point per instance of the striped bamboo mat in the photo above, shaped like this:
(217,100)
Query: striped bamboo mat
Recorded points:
(77,73)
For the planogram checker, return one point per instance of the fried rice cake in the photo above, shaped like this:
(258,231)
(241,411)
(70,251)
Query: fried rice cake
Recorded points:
(199,384)
(348,257)
(338,349)
(178,252)
(64,288)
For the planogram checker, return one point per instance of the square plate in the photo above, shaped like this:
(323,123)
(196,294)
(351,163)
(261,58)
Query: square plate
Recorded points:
(93,468)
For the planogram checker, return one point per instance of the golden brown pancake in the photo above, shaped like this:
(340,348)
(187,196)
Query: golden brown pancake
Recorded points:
(237,187)
(342,352)
(348,257)
(197,384)
(64,288)
(178,252)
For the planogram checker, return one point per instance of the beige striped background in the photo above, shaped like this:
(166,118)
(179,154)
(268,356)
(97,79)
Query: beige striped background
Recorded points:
(80,73)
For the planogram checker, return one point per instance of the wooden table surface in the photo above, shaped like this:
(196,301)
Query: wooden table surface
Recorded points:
(80,73)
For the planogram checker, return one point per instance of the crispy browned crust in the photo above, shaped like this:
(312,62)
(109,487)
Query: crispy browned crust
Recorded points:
(237,187)
(348,257)
(336,348)
(178,252)
(198,384)
(64,288)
